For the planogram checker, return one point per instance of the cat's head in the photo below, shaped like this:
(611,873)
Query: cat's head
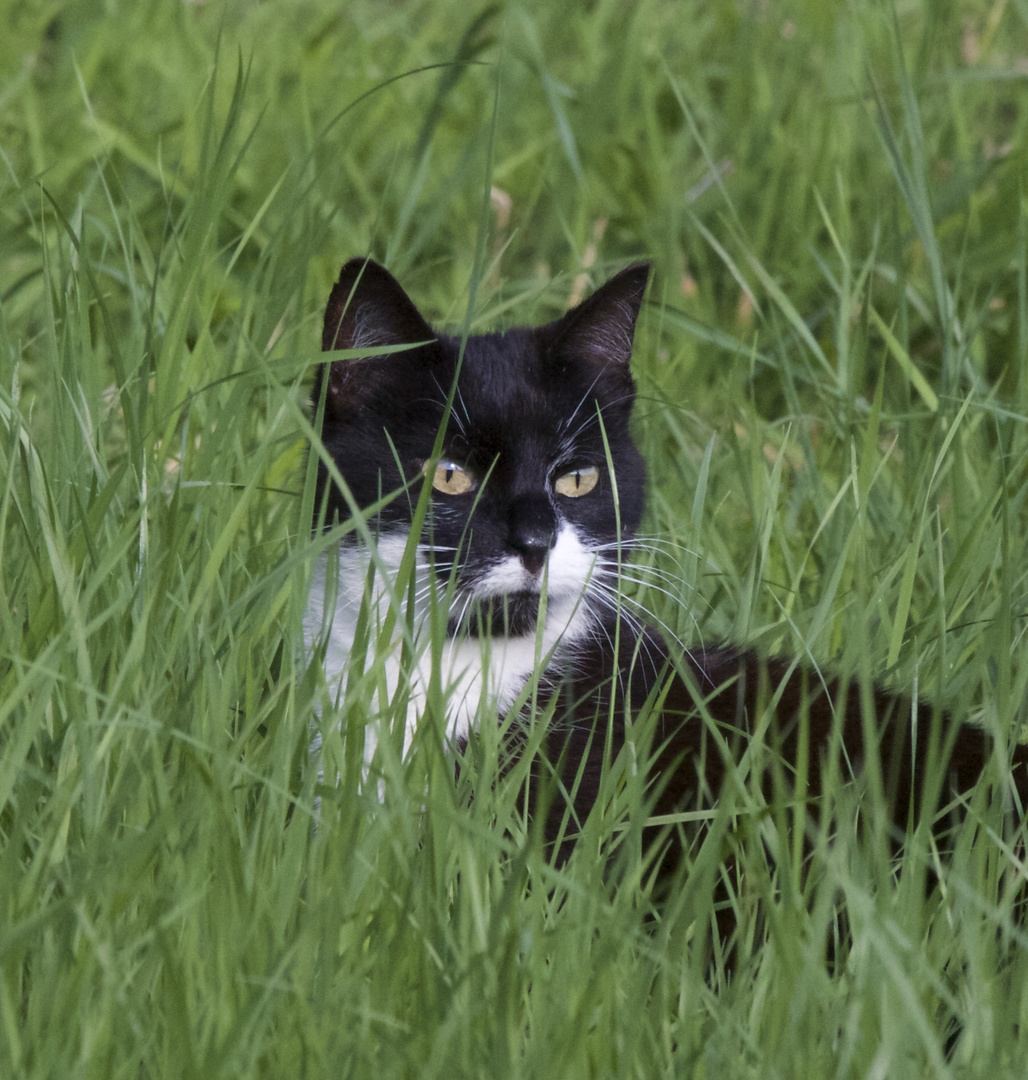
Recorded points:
(537,480)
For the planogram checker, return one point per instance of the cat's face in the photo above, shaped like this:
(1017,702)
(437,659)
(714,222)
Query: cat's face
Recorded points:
(537,479)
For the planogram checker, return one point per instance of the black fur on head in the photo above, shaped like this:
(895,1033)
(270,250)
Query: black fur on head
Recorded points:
(530,405)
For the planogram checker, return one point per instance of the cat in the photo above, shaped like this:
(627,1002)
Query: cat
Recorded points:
(536,495)
(522,495)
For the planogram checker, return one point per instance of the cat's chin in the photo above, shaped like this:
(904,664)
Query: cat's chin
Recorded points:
(511,615)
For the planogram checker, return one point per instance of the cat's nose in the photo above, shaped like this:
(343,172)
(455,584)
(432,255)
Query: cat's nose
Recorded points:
(533,530)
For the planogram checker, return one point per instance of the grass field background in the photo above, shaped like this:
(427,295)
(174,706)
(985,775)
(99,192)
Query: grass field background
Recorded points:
(834,403)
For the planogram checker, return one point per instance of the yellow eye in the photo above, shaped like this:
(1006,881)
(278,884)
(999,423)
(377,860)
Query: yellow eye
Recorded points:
(578,482)
(448,477)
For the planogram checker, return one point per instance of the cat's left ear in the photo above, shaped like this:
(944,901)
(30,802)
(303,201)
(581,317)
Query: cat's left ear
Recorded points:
(601,329)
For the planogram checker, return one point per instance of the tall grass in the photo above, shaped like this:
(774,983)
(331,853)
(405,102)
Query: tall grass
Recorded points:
(833,403)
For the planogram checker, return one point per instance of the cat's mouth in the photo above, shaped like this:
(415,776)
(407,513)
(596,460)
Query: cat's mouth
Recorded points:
(510,615)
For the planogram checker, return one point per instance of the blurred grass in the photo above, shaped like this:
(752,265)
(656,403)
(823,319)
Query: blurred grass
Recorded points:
(833,402)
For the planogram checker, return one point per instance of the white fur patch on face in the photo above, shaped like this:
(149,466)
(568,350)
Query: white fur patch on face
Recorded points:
(479,676)
(566,572)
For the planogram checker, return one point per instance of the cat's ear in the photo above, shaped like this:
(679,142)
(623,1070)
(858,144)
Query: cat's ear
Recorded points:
(601,329)
(367,308)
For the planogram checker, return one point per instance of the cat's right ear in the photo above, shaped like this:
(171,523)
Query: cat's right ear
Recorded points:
(367,308)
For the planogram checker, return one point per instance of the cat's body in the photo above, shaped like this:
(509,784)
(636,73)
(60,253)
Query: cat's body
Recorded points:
(537,493)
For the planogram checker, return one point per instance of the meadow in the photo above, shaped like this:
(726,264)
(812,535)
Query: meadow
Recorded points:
(833,379)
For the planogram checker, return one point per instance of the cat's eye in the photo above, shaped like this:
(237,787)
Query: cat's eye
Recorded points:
(578,482)
(449,477)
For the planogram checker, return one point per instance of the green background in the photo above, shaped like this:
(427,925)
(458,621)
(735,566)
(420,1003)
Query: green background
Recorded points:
(833,401)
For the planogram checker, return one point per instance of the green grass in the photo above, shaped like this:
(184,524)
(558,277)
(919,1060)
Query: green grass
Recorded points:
(834,403)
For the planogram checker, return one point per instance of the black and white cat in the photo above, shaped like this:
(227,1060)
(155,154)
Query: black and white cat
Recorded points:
(524,502)
(536,494)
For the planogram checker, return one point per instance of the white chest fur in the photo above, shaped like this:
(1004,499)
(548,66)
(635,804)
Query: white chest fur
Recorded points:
(477,677)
